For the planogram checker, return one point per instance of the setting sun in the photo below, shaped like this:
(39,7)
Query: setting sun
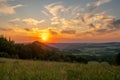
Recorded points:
(45,37)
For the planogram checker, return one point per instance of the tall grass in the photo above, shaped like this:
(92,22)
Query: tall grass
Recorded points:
(11,69)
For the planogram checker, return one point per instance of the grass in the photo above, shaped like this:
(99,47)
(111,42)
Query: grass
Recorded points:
(12,69)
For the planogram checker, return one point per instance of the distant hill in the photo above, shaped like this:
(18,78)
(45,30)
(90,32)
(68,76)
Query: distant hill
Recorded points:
(62,46)
(88,48)
(44,46)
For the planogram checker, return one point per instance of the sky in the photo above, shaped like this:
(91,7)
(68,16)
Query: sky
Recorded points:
(60,21)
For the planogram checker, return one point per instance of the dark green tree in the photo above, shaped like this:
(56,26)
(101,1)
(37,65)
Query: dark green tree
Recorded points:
(118,59)
(7,46)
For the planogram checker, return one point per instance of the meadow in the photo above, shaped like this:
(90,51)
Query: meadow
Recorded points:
(15,69)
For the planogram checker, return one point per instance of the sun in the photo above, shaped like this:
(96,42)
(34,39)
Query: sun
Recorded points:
(45,37)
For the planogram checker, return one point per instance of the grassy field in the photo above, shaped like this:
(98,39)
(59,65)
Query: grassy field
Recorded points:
(12,69)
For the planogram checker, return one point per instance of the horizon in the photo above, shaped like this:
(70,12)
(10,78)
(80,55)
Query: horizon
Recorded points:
(70,42)
(64,21)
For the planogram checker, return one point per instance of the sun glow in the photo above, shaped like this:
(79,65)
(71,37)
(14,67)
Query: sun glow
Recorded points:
(45,37)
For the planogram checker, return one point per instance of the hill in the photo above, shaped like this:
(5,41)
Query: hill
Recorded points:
(34,50)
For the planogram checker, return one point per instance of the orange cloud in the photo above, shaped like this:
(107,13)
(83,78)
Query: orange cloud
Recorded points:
(31,21)
(28,21)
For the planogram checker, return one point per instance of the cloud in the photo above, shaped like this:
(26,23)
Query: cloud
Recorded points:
(117,23)
(103,17)
(16,6)
(6,29)
(64,22)
(31,21)
(62,14)
(93,5)
(15,20)
(28,21)
(68,31)
(60,10)
(22,30)
(53,32)
(55,21)
(71,23)
(107,27)
(101,30)
(76,17)
(27,29)
(97,20)
(45,13)
(16,29)
(91,25)
(54,8)
(5,8)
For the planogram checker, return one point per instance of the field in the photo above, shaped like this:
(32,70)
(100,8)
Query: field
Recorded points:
(12,69)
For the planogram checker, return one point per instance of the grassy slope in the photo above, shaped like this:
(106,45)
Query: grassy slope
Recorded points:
(11,69)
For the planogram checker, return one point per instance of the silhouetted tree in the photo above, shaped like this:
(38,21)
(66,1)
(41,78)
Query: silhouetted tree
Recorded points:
(35,50)
(7,46)
(118,59)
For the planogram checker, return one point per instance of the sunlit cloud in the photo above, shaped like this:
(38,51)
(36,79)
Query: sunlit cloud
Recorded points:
(78,16)
(27,29)
(105,28)
(52,31)
(6,29)
(5,8)
(14,20)
(97,22)
(68,31)
(71,23)
(55,21)
(28,21)
(31,21)
(93,5)
(54,8)
(16,6)
(60,10)
(45,13)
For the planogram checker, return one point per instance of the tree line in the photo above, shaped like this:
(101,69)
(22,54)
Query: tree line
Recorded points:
(40,51)
(35,51)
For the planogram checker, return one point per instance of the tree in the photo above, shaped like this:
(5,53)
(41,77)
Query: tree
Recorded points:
(118,59)
(7,46)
